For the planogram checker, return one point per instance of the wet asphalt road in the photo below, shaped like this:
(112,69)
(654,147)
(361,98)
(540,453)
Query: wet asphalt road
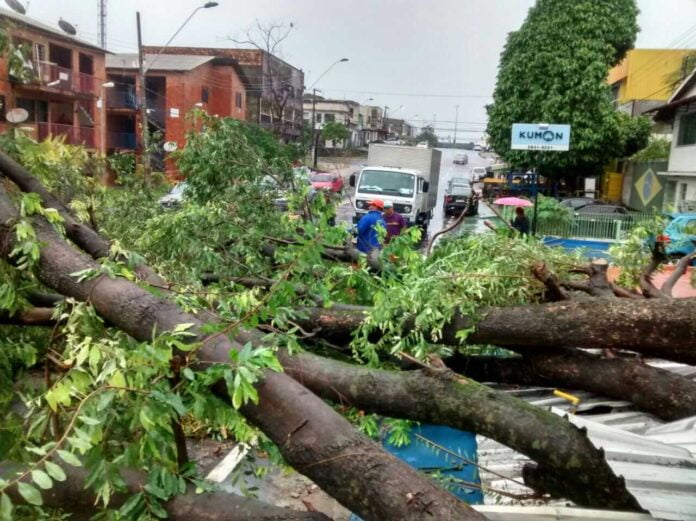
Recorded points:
(448,170)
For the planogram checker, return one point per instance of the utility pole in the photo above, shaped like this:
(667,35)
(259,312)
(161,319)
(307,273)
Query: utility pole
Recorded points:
(314,126)
(102,24)
(145,135)
(456,117)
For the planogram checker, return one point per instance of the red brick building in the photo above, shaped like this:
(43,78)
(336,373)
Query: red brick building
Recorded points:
(58,83)
(174,86)
(274,88)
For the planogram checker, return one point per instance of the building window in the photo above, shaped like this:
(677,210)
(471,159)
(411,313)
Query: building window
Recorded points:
(39,52)
(329,118)
(687,130)
(204,94)
(319,118)
(238,100)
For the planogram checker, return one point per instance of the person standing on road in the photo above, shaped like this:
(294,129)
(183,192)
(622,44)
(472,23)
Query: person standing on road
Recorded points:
(520,223)
(368,238)
(394,220)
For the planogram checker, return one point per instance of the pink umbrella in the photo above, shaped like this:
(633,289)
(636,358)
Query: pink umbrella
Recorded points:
(513,201)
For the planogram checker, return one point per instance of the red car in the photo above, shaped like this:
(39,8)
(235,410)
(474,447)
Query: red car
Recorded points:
(327,181)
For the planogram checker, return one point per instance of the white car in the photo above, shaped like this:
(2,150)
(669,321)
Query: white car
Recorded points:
(461,159)
(477,174)
(423,144)
(478,148)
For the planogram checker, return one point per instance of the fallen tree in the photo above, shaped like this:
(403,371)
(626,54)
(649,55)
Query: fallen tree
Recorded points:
(314,439)
(573,467)
(663,328)
(665,394)
(71,495)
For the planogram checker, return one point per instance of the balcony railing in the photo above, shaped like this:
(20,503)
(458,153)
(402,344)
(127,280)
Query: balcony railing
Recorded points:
(121,99)
(122,140)
(73,135)
(51,75)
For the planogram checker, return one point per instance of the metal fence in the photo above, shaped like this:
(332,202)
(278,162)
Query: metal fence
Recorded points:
(590,226)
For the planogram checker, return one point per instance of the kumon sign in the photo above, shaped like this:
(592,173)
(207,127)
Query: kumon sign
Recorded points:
(540,136)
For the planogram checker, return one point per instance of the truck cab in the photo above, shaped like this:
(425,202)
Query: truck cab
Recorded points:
(406,188)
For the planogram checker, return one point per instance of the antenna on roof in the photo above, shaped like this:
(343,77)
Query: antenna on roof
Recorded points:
(16,6)
(67,27)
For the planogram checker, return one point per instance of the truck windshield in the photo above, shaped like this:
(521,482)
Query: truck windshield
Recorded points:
(383,181)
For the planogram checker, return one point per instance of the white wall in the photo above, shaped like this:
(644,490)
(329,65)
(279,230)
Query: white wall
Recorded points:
(681,158)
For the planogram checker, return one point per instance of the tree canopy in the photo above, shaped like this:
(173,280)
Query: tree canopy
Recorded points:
(554,70)
(428,134)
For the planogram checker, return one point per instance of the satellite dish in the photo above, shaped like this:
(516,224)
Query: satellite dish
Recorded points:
(170,146)
(16,6)
(16,115)
(67,27)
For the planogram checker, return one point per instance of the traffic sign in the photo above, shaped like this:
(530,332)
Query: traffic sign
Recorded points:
(540,137)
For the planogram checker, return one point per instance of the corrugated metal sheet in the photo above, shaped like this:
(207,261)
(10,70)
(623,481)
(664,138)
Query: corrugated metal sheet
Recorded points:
(165,62)
(657,459)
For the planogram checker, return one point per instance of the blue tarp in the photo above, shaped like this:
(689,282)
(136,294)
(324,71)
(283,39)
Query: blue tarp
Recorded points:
(591,248)
(443,451)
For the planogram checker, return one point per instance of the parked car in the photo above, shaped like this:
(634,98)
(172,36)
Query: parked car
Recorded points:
(423,144)
(680,234)
(457,197)
(454,181)
(603,209)
(327,181)
(578,202)
(477,174)
(175,197)
(461,159)
(478,148)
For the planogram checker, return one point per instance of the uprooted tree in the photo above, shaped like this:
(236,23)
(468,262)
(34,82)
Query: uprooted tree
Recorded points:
(229,318)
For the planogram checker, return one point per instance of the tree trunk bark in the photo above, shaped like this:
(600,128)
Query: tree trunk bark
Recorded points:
(71,496)
(577,470)
(662,328)
(313,438)
(665,394)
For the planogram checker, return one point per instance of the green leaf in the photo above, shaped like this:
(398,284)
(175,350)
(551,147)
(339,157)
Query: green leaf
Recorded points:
(42,479)
(5,508)
(55,471)
(69,458)
(30,493)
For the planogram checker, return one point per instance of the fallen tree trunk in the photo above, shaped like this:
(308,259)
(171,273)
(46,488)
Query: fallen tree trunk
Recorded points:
(662,328)
(572,467)
(313,438)
(665,394)
(29,317)
(72,496)
(80,233)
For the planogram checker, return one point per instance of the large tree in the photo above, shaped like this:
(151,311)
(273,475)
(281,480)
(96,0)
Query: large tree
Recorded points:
(554,70)
(120,355)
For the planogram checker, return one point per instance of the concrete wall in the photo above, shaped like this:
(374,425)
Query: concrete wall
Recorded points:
(682,158)
(644,73)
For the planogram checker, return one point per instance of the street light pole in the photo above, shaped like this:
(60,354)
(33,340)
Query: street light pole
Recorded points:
(456,117)
(144,126)
(314,127)
(144,131)
(107,85)
(314,101)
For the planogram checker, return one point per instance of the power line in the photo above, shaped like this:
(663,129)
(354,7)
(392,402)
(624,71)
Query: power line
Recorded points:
(459,96)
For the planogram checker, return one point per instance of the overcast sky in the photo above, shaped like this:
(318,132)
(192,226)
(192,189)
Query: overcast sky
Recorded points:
(425,55)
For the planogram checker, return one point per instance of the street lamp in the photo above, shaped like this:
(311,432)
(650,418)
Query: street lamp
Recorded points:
(104,86)
(141,73)
(314,106)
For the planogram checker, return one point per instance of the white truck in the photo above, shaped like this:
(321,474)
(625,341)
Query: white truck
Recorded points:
(406,176)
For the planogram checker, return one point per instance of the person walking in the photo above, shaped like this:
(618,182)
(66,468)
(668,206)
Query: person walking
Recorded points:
(394,220)
(368,238)
(521,222)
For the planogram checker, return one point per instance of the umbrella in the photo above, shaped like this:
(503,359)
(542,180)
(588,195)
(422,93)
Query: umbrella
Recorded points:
(513,201)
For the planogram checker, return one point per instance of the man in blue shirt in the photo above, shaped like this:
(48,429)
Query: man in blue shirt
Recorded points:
(368,238)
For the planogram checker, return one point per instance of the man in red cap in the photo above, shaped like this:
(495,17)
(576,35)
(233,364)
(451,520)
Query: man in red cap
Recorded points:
(368,239)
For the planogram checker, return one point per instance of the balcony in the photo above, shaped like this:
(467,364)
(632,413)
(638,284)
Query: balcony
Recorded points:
(121,140)
(121,99)
(73,135)
(53,76)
